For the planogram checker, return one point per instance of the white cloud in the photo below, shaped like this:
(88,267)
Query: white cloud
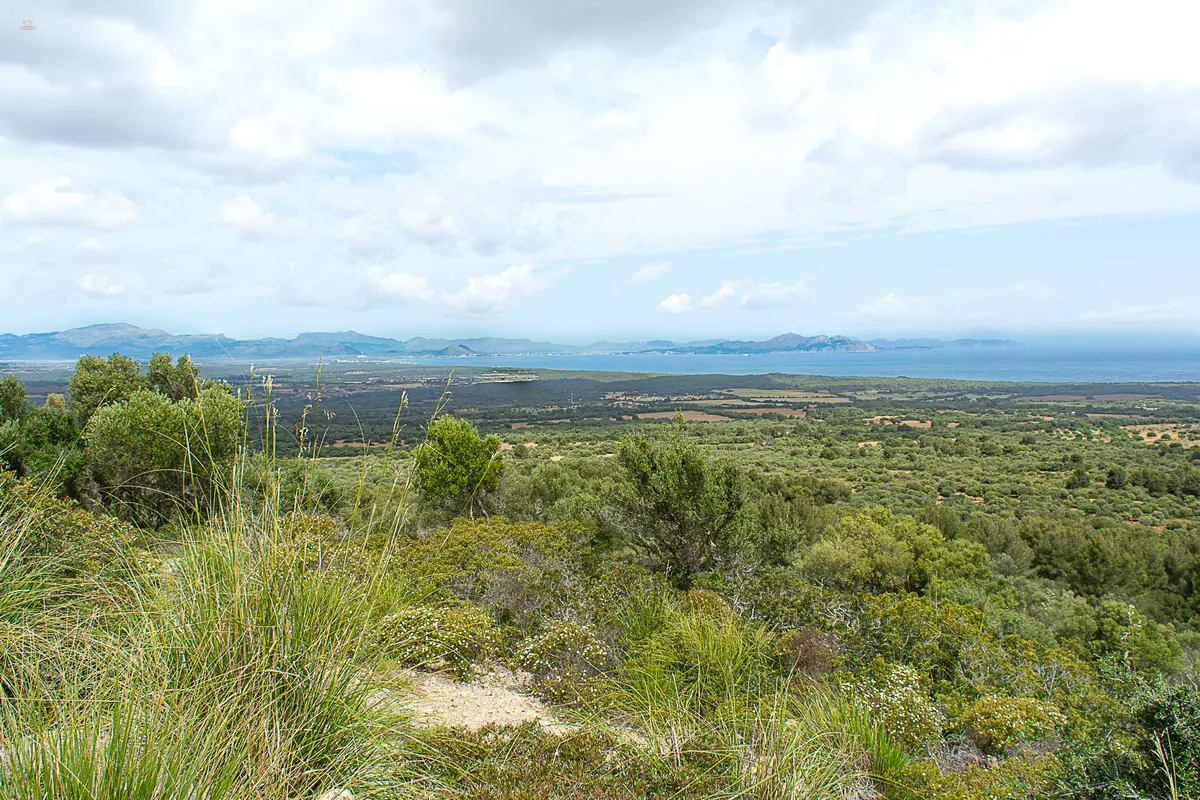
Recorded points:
(53,203)
(402,287)
(651,272)
(676,304)
(93,245)
(488,294)
(774,295)
(98,285)
(891,306)
(727,290)
(243,212)
(412,133)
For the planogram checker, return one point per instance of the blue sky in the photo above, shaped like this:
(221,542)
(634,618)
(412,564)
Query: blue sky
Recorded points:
(675,169)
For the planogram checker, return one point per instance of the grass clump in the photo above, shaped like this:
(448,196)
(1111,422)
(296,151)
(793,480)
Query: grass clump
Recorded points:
(237,672)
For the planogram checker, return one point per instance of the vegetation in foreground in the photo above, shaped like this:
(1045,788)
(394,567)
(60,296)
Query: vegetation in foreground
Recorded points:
(186,614)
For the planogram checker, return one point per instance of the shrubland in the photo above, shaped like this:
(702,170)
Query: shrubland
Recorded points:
(754,609)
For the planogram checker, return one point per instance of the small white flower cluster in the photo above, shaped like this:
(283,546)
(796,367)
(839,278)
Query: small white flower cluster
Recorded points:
(898,703)
(562,657)
(455,637)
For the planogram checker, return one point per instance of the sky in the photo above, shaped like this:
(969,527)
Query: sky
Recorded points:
(575,170)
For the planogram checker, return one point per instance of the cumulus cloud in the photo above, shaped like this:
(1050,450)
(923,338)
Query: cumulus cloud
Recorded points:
(53,202)
(727,290)
(93,245)
(651,272)
(243,212)
(891,306)
(98,285)
(774,295)
(676,304)
(599,131)
(488,294)
(402,287)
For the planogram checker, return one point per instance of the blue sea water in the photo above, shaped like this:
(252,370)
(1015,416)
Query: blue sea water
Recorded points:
(1040,364)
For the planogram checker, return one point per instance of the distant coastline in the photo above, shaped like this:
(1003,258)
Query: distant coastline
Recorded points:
(103,340)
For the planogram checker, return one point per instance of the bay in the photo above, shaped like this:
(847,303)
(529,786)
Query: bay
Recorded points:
(1033,364)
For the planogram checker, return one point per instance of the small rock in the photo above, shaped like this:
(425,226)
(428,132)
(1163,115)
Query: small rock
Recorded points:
(337,794)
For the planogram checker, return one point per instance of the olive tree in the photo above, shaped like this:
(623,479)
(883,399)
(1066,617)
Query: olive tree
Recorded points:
(151,457)
(178,381)
(99,382)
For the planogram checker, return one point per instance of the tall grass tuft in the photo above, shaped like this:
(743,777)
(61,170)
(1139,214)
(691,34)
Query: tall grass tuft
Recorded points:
(237,671)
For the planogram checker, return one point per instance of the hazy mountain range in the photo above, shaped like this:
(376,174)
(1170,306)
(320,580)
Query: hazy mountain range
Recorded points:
(138,342)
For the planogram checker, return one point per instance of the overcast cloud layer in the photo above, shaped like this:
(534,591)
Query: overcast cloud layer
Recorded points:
(574,169)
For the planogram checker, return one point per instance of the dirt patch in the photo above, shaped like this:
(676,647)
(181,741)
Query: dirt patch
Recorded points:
(786,412)
(1183,433)
(912,423)
(689,416)
(500,697)
(492,699)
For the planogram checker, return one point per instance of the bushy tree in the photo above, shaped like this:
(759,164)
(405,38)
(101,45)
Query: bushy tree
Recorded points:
(178,381)
(152,458)
(13,399)
(39,441)
(98,382)
(682,512)
(456,467)
(1117,478)
(1079,479)
(876,551)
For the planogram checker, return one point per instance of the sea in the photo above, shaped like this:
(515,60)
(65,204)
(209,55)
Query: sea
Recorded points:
(1026,364)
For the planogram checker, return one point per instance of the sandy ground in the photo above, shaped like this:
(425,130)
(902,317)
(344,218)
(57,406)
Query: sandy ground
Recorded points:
(491,699)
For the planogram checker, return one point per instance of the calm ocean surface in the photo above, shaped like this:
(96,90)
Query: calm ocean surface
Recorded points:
(1047,364)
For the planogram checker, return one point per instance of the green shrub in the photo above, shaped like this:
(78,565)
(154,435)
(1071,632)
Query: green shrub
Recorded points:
(894,695)
(153,459)
(998,723)
(1170,718)
(457,638)
(92,550)
(520,572)
(1025,777)
(564,659)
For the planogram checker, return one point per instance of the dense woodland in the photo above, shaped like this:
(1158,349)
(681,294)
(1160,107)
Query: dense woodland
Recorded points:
(214,584)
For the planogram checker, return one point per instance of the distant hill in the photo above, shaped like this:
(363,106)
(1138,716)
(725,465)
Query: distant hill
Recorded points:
(103,340)
(787,343)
